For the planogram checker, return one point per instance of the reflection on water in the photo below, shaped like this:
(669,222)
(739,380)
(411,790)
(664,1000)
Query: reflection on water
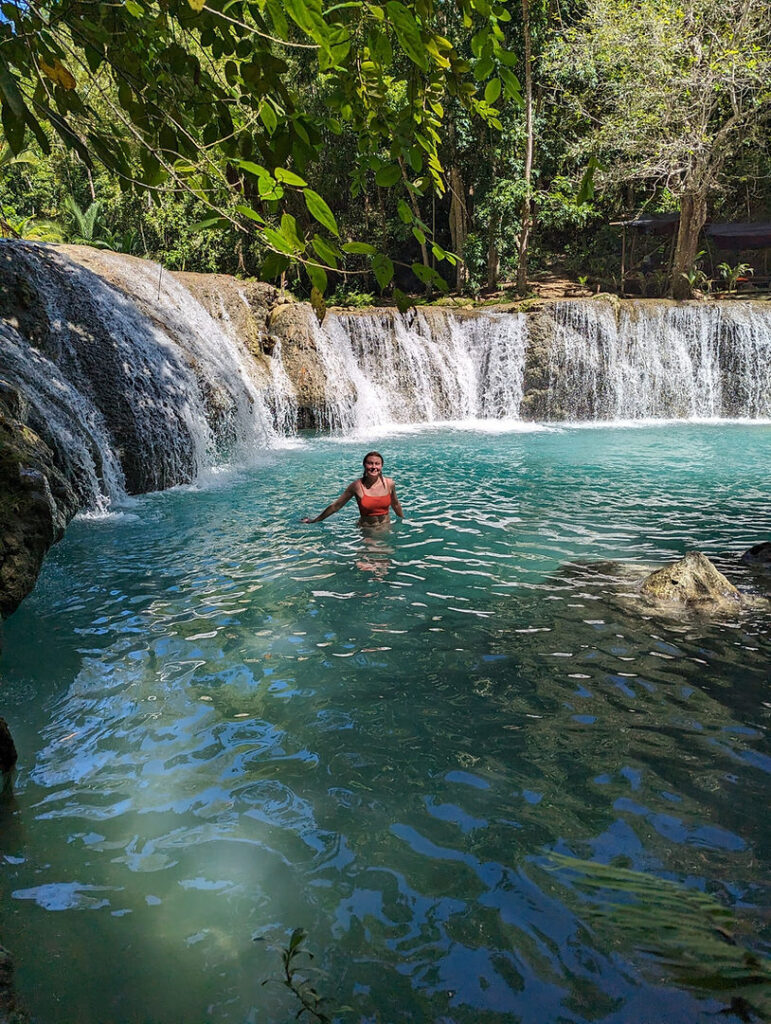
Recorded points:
(232,725)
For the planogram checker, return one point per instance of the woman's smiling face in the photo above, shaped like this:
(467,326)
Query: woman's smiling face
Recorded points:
(373,465)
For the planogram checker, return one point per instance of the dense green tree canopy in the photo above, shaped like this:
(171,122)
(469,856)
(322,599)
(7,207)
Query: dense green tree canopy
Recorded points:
(234,101)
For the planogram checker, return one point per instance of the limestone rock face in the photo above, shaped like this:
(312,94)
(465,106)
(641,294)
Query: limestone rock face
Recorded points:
(293,324)
(36,501)
(693,582)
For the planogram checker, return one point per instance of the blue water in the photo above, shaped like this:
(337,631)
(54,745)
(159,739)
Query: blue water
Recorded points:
(232,724)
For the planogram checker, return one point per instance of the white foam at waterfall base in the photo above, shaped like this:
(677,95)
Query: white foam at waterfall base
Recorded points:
(384,368)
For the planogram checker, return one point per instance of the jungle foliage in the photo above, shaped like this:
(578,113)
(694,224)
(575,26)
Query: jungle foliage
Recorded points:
(394,147)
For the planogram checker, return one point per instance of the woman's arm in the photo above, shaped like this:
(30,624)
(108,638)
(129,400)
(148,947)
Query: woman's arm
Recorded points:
(335,506)
(396,505)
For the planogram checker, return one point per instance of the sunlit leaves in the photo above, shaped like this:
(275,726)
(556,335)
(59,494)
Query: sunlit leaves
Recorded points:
(320,211)
(58,74)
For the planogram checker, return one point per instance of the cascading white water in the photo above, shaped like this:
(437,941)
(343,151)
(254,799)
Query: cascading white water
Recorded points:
(132,382)
(137,386)
(233,420)
(658,361)
(384,368)
(76,428)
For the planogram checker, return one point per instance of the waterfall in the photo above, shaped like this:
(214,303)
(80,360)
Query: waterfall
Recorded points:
(659,360)
(139,379)
(129,380)
(383,367)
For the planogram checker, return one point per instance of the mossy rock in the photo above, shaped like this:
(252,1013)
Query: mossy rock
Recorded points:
(692,582)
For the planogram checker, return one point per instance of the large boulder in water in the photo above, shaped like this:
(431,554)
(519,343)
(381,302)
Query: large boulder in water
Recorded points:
(693,582)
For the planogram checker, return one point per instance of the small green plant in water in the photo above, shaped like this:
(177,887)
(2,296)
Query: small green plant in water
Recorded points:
(296,980)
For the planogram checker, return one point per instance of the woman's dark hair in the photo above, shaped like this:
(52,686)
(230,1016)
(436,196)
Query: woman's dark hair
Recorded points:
(370,455)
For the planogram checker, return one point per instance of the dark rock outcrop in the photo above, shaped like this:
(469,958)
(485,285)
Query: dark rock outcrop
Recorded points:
(692,582)
(10,1010)
(36,501)
(758,556)
(8,755)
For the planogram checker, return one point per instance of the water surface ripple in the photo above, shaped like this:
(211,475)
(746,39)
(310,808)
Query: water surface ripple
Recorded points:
(233,724)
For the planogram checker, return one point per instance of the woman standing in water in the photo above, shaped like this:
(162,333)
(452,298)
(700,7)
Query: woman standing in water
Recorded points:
(375,495)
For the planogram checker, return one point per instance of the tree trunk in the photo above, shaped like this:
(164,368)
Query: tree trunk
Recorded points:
(416,213)
(693,214)
(493,256)
(458,224)
(526,216)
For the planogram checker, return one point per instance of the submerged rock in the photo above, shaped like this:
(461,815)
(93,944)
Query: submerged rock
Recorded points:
(10,1010)
(693,582)
(759,555)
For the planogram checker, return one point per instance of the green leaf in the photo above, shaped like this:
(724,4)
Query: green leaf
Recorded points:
(483,68)
(419,235)
(408,33)
(210,224)
(278,241)
(320,309)
(268,117)
(403,301)
(510,83)
(405,213)
(318,277)
(289,177)
(9,90)
(14,128)
(422,272)
(493,90)
(586,189)
(290,232)
(359,248)
(388,175)
(319,210)
(383,269)
(255,169)
(135,10)
(278,18)
(273,266)
(324,251)
(415,157)
(197,5)
(247,211)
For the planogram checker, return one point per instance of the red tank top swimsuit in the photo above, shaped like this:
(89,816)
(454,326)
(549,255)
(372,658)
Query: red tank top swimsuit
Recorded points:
(374,504)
